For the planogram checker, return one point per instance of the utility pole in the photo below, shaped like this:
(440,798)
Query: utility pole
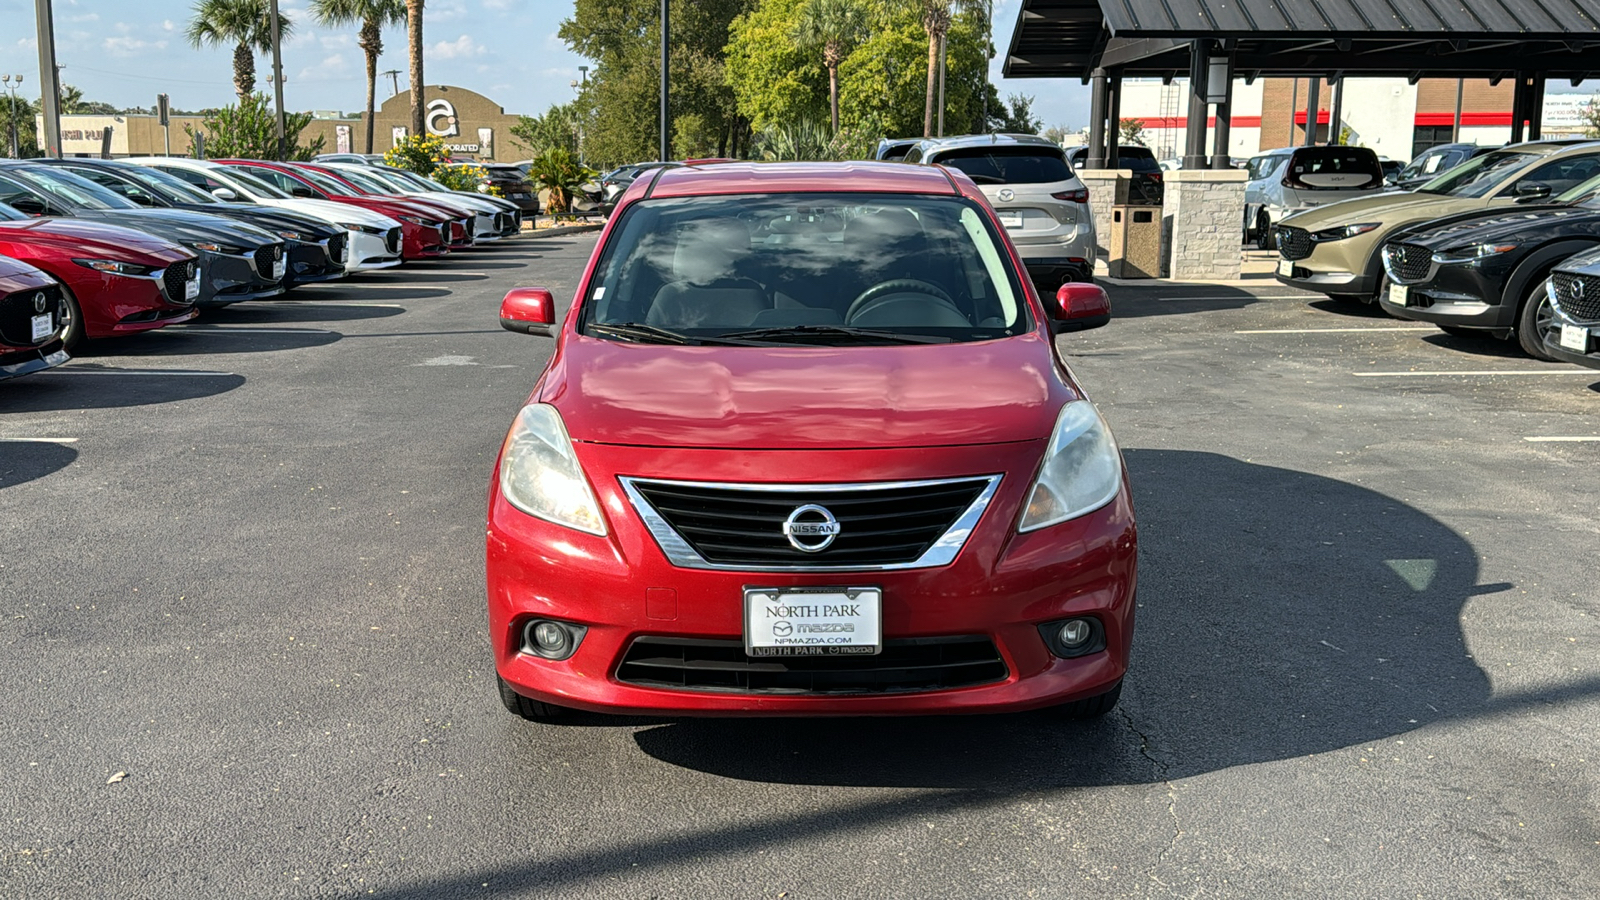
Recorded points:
(277,80)
(49,79)
(164,115)
(664,144)
(16,150)
(988,56)
(943,41)
(394,79)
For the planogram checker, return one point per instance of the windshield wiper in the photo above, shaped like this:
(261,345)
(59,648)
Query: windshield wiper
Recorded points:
(643,334)
(846,331)
(986,179)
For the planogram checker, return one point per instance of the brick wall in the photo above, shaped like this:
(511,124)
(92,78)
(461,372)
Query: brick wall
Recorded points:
(1438,95)
(1280,101)
(1203,222)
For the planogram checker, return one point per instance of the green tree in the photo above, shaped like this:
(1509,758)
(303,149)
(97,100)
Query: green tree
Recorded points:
(419,153)
(773,78)
(1016,116)
(373,16)
(414,57)
(835,26)
(937,17)
(73,104)
(24,123)
(559,127)
(559,172)
(247,25)
(1130,133)
(883,83)
(250,131)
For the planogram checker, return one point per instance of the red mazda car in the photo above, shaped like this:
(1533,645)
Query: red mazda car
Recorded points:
(32,320)
(115,280)
(425,232)
(806,447)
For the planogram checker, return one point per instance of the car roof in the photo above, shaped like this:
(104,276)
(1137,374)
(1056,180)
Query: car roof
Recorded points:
(762,178)
(960,141)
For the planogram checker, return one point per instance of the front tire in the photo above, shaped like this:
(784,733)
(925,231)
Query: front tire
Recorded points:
(72,338)
(532,710)
(1534,319)
(1266,239)
(1091,707)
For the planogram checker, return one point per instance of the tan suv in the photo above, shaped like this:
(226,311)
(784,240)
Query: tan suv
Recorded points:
(1334,249)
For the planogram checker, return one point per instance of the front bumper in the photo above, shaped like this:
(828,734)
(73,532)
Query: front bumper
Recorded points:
(1589,357)
(310,263)
(367,250)
(231,279)
(1458,294)
(19,361)
(1001,586)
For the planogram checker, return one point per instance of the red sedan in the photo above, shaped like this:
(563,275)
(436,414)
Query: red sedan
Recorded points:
(461,223)
(806,447)
(425,233)
(32,320)
(115,280)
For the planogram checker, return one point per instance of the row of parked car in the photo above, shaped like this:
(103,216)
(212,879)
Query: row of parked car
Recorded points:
(1505,244)
(94,248)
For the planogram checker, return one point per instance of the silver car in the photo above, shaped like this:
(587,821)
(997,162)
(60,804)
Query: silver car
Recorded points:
(1294,179)
(1041,203)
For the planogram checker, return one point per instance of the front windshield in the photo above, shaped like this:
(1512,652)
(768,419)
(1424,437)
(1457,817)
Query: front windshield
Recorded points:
(393,181)
(805,268)
(1585,194)
(258,187)
(1479,177)
(69,188)
(328,185)
(364,181)
(166,186)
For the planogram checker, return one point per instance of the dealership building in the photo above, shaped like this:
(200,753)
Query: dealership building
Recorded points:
(470,124)
(1395,117)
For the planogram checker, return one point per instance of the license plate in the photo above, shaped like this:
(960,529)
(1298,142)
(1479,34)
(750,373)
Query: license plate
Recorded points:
(191,289)
(1010,220)
(519,196)
(43,326)
(1286,268)
(1573,337)
(1399,294)
(813,621)
(276,270)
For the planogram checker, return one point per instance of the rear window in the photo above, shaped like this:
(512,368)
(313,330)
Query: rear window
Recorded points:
(1008,165)
(1334,169)
(1139,159)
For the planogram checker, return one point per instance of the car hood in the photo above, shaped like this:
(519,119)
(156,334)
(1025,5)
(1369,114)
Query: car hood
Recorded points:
(186,227)
(338,213)
(1500,224)
(458,205)
(270,218)
(806,397)
(16,275)
(1585,263)
(1392,208)
(79,238)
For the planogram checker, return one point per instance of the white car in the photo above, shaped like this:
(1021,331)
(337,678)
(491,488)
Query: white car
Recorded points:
(486,222)
(374,238)
(1294,179)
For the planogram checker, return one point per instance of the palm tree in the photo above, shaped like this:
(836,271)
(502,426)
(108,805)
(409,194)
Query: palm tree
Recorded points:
(414,37)
(834,25)
(936,18)
(246,24)
(372,15)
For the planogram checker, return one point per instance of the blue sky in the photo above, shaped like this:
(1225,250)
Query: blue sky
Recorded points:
(125,53)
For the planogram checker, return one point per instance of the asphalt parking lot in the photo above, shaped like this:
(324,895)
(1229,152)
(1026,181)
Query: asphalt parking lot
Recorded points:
(243,571)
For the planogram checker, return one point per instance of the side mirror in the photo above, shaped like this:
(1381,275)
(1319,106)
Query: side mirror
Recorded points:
(528,310)
(1079,307)
(303,192)
(1528,191)
(223,193)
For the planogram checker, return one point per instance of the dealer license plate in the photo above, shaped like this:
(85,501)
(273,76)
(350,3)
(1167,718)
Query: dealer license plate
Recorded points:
(43,326)
(191,288)
(519,196)
(1399,294)
(813,621)
(1286,268)
(1575,337)
(277,271)
(1010,220)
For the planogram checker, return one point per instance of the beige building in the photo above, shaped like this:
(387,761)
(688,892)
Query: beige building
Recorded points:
(470,124)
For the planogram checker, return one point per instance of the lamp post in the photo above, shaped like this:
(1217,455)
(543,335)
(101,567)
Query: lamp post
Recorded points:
(16,151)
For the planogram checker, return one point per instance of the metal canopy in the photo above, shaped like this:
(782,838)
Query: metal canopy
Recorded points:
(1397,38)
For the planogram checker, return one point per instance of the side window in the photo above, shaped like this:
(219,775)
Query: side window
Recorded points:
(277,179)
(116,186)
(1560,174)
(197,179)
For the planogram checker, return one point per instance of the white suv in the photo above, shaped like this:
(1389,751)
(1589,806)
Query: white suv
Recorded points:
(1295,179)
(1041,203)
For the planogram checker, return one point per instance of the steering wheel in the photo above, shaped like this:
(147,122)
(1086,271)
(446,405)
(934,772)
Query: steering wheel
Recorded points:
(894,286)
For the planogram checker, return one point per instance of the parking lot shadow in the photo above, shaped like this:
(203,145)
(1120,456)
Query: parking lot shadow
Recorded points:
(307,310)
(1130,301)
(26,460)
(209,338)
(107,388)
(1281,614)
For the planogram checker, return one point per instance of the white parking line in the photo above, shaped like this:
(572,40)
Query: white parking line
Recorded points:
(164,373)
(1333,330)
(38,440)
(1586,372)
(343,305)
(1564,439)
(1251,296)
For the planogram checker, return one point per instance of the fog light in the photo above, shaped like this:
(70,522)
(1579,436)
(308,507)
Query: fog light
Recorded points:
(551,640)
(1075,633)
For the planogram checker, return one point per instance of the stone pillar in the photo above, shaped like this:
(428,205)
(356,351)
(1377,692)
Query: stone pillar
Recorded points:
(1107,188)
(1204,212)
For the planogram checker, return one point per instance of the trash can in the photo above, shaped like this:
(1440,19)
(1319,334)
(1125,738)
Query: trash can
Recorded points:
(1134,249)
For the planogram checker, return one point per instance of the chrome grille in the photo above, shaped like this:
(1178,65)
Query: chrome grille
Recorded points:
(880,525)
(175,279)
(1294,243)
(1578,296)
(1408,263)
(267,257)
(904,666)
(18,309)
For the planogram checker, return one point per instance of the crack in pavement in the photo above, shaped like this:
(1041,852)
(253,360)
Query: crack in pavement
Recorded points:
(1161,770)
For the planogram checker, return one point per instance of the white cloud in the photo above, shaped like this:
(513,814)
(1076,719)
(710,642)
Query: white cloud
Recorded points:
(331,68)
(87,17)
(334,41)
(496,4)
(130,46)
(460,48)
(167,25)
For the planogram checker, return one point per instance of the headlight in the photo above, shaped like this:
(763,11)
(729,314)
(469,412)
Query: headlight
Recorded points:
(1472,252)
(218,248)
(1082,469)
(114,267)
(416,220)
(1347,231)
(540,475)
(297,236)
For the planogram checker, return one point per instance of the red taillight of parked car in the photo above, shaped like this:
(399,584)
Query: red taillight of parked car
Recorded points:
(1081,195)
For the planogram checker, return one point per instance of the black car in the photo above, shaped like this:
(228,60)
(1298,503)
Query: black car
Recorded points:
(237,261)
(1435,161)
(1485,273)
(615,183)
(1148,185)
(316,248)
(1572,333)
(513,185)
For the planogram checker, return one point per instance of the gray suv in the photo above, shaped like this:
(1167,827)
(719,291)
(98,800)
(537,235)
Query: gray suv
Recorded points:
(1041,203)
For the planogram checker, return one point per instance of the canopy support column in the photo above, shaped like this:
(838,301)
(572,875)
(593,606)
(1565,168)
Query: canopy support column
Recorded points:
(1221,153)
(1194,151)
(1313,110)
(1097,121)
(1113,119)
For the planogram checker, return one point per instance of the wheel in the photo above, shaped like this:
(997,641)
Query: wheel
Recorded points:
(1091,707)
(72,337)
(1458,331)
(532,710)
(1266,238)
(1534,319)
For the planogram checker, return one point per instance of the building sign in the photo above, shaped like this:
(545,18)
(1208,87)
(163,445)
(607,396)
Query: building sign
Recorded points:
(442,119)
(399,134)
(1565,111)
(341,138)
(83,134)
(462,148)
(486,141)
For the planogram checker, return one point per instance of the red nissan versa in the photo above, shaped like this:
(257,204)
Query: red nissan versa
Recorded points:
(116,280)
(806,447)
(424,232)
